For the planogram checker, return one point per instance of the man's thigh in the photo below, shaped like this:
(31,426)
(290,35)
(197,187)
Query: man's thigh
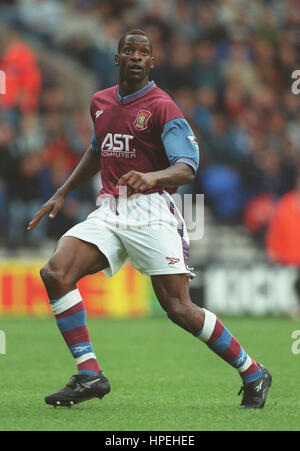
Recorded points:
(77,258)
(99,234)
(156,251)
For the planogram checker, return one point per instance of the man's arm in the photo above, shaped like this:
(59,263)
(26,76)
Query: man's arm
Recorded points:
(182,151)
(178,174)
(88,166)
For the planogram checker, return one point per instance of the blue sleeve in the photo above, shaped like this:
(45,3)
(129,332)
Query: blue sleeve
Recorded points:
(180,143)
(95,142)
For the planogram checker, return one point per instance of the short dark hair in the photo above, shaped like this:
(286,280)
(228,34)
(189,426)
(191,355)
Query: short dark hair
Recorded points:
(132,32)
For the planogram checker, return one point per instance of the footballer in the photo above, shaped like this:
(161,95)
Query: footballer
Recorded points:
(143,147)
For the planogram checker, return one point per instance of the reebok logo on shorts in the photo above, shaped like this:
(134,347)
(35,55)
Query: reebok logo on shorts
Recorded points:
(172,260)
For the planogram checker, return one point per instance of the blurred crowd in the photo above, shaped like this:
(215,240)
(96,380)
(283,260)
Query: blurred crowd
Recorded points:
(227,63)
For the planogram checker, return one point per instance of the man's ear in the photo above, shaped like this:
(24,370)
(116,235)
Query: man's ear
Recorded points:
(117,60)
(152,63)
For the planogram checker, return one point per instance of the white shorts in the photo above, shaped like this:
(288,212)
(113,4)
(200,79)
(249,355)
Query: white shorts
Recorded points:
(147,228)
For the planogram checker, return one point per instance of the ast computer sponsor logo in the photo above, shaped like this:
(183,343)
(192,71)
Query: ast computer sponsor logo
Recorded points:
(117,145)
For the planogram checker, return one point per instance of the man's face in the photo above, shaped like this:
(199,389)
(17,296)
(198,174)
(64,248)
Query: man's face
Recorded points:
(135,59)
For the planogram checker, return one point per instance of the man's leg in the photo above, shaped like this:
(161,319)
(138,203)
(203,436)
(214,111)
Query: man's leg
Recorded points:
(72,260)
(172,292)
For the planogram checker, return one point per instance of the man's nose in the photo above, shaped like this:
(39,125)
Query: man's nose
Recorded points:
(136,56)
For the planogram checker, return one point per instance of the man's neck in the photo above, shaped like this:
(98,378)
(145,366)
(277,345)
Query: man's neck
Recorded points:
(125,88)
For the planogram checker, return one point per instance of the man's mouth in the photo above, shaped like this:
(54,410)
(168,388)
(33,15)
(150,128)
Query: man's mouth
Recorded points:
(135,68)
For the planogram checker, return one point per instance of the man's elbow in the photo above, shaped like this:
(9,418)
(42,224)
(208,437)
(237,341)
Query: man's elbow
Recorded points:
(190,175)
(185,173)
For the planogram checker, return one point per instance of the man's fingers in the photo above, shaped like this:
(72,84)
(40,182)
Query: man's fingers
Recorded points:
(134,181)
(124,180)
(137,185)
(54,211)
(143,187)
(33,222)
(38,217)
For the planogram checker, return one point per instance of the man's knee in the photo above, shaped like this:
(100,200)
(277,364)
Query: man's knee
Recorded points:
(175,308)
(184,313)
(49,275)
(55,278)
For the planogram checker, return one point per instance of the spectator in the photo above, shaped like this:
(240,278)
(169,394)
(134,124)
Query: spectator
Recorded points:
(23,77)
(205,71)
(24,199)
(41,17)
(283,238)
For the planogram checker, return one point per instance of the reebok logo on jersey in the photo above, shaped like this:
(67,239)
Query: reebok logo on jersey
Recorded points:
(172,260)
(142,119)
(98,113)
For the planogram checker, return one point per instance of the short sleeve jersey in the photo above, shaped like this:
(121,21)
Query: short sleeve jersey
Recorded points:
(144,131)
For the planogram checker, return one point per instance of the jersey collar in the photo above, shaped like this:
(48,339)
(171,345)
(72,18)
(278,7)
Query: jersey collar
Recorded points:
(136,95)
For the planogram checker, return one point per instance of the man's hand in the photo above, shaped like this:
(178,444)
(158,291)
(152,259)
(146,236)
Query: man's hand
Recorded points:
(87,167)
(138,182)
(54,204)
(176,175)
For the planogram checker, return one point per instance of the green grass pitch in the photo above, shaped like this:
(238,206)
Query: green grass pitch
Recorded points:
(162,378)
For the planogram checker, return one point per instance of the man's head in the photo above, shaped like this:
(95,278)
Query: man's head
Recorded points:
(134,56)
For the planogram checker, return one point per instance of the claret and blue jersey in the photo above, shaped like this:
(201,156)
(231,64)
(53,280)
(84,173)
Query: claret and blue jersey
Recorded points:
(144,131)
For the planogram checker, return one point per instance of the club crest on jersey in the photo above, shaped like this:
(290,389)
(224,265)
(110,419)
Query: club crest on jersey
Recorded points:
(142,119)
